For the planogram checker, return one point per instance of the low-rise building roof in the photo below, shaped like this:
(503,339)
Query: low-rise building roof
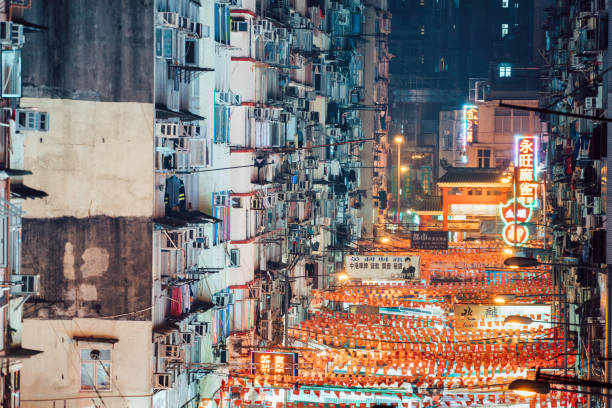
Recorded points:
(471,177)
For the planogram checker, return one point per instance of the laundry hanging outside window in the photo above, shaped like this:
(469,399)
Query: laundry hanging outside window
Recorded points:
(175,195)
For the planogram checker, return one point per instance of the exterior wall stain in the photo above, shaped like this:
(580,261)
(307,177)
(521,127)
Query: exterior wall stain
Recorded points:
(89,267)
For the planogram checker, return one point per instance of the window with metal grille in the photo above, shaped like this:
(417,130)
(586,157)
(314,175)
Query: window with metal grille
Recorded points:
(484,158)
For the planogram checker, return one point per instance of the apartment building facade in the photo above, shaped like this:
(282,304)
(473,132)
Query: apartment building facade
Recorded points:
(201,181)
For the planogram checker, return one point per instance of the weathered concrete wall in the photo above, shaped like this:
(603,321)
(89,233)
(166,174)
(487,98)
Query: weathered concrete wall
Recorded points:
(92,267)
(60,379)
(92,50)
(96,159)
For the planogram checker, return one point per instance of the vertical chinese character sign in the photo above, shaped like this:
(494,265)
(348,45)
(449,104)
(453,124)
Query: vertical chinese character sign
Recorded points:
(526,160)
(471,122)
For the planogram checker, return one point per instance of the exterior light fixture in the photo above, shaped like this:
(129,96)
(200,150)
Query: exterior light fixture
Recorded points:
(528,388)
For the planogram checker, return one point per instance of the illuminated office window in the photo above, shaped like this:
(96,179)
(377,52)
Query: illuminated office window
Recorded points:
(504,30)
(422,30)
(505,3)
(505,70)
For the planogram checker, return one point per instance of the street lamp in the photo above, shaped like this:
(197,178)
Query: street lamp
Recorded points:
(526,262)
(503,298)
(398,140)
(527,388)
(524,320)
(542,385)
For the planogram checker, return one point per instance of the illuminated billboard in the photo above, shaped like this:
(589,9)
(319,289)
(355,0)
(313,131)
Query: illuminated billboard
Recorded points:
(382,268)
(526,160)
(274,363)
(470,115)
(515,231)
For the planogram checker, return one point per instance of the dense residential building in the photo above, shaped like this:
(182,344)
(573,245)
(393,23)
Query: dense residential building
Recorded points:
(20,121)
(206,168)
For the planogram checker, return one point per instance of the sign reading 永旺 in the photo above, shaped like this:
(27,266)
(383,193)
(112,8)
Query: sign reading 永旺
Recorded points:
(382,268)
(429,240)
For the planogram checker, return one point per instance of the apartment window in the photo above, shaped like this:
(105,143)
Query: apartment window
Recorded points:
(520,121)
(505,3)
(504,30)
(222,24)
(505,70)
(484,158)
(236,202)
(422,2)
(95,369)
(221,210)
(422,59)
(422,30)
(191,52)
(222,114)
(503,120)
(234,258)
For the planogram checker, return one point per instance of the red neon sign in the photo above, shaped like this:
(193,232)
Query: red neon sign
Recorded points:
(526,161)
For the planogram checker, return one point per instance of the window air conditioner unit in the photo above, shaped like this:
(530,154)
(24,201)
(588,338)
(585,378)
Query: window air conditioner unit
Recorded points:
(29,120)
(164,129)
(205,31)
(162,381)
(6,32)
(311,163)
(257,204)
(25,284)
(281,33)
(590,103)
(187,337)
(168,19)
(184,23)
(196,29)
(220,300)
(200,329)
(221,354)
(11,34)
(169,351)
(222,98)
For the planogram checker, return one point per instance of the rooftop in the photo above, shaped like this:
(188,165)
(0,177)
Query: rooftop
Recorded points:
(431,205)
(471,177)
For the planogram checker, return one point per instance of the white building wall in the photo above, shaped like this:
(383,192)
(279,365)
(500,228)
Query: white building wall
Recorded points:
(60,379)
(243,80)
